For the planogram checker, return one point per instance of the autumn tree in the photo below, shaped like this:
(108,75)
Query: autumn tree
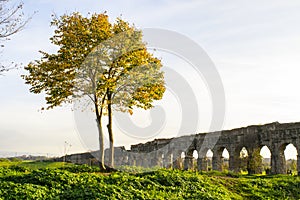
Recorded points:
(106,62)
(11,22)
(132,77)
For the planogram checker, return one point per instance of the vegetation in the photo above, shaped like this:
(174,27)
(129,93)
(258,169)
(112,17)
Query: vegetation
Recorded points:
(32,164)
(83,182)
(255,162)
(107,63)
(292,165)
(11,22)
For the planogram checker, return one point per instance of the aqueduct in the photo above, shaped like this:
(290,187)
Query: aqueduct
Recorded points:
(167,152)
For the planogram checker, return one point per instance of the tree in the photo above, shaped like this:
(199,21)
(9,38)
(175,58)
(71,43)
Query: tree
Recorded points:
(255,162)
(294,165)
(291,165)
(63,76)
(11,22)
(132,76)
(106,62)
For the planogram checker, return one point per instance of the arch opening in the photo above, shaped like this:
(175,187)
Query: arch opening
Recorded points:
(181,160)
(290,156)
(209,155)
(243,161)
(266,160)
(195,157)
(225,160)
(220,160)
(182,155)
(195,154)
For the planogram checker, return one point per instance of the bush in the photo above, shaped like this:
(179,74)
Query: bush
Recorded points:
(4,160)
(15,159)
(80,168)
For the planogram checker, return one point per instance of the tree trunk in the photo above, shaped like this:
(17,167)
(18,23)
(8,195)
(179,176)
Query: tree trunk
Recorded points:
(101,141)
(110,132)
(101,147)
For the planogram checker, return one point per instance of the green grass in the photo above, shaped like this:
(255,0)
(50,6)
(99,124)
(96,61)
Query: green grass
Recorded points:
(34,164)
(38,180)
(44,164)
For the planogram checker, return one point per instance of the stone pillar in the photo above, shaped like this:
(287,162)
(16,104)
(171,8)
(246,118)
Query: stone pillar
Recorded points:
(202,164)
(176,160)
(274,163)
(139,159)
(167,161)
(250,160)
(278,163)
(156,159)
(159,157)
(126,160)
(145,160)
(217,162)
(131,159)
(233,163)
(188,162)
(153,159)
(282,163)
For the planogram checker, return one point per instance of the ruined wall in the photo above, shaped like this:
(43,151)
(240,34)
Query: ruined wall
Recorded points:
(167,152)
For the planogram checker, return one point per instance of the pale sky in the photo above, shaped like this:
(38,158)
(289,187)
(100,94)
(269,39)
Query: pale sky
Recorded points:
(254,45)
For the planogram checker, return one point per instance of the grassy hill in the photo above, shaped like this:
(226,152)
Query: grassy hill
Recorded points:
(45,180)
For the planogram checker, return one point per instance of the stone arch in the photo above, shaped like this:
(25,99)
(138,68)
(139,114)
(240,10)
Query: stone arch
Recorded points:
(188,159)
(250,160)
(218,160)
(242,155)
(278,159)
(203,160)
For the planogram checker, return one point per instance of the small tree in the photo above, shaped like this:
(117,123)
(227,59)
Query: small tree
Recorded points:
(11,22)
(225,164)
(106,62)
(255,162)
(292,165)
(132,77)
(63,76)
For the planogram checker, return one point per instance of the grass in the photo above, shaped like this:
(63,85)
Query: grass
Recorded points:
(34,164)
(44,164)
(51,180)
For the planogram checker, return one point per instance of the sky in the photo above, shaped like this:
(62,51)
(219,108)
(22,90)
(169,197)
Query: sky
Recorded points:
(254,46)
